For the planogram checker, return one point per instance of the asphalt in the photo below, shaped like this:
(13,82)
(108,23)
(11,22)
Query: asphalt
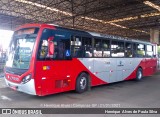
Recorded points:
(126,94)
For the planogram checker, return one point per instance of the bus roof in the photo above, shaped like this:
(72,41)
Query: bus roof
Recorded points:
(81,32)
(88,33)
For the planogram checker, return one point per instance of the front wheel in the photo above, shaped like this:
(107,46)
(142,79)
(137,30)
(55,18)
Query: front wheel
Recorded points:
(82,83)
(139,74)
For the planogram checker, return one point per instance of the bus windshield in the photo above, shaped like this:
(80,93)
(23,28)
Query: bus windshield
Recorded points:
(20,49)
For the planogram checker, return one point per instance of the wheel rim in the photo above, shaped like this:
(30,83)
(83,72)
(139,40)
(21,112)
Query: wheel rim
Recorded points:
(139,74)
(83,82)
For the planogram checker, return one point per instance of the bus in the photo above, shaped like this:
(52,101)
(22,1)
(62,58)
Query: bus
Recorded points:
(44,59)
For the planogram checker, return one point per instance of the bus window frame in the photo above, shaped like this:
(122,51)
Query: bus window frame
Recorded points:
(81,37)
(93,46)
(106,39)
(150,51)
(117,43)
(144,56)
(132,50)
(39,44)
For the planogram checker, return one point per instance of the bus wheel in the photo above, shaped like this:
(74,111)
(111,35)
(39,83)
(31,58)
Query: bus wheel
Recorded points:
(82,83)
(139,74)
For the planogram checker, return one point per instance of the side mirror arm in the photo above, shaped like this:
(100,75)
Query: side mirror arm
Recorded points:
(50,46)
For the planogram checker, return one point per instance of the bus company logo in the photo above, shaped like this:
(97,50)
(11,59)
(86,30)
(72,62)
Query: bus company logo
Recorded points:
(120,62)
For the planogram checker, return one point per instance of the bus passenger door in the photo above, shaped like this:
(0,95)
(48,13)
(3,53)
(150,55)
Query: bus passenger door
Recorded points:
(120,68)
(51,70)
(60,65)
(128,68)
(111,64)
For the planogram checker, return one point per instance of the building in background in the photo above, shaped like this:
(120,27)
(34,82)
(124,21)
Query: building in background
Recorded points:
(5,37)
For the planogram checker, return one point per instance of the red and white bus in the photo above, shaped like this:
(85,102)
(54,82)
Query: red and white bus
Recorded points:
(46,59)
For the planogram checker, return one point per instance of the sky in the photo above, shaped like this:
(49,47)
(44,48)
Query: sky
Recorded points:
(5,37)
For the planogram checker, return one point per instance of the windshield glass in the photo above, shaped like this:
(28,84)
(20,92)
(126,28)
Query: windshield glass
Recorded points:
(21,47)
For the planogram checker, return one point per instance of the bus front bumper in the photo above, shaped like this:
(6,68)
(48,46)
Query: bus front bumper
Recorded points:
(28,88)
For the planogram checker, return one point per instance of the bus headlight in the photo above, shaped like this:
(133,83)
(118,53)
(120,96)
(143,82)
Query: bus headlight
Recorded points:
(26,79)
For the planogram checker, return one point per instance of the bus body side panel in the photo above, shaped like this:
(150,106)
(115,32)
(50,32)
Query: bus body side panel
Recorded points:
(87,64)
(119,69)
(59,76)
(51,77)
(113,69)
(151,65)
(148,67)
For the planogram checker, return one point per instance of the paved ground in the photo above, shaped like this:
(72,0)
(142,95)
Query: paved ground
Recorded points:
(1,74)
(145,93)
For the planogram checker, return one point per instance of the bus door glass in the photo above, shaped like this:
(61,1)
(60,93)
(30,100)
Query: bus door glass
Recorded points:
(117,52)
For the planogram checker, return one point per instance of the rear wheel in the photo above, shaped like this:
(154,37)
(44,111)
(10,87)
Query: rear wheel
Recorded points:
(139,74)
(82,83)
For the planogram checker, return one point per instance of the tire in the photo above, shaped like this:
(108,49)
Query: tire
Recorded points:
(139,74)
(82,83)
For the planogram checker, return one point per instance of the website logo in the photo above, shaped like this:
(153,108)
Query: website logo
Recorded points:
(6,111)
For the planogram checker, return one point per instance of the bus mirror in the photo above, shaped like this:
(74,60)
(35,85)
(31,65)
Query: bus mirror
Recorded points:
(50,46)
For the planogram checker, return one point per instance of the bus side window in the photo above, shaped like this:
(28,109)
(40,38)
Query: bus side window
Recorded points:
(55,55)
(61,49)
(134,50)
(140,50)
(106,48)
(87,47)
(76,46)
(81,47)
(44,49)
(128,49)
(43,46)
(58,50)
(117,49)
(155,51)
(149,51)
(97,48)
